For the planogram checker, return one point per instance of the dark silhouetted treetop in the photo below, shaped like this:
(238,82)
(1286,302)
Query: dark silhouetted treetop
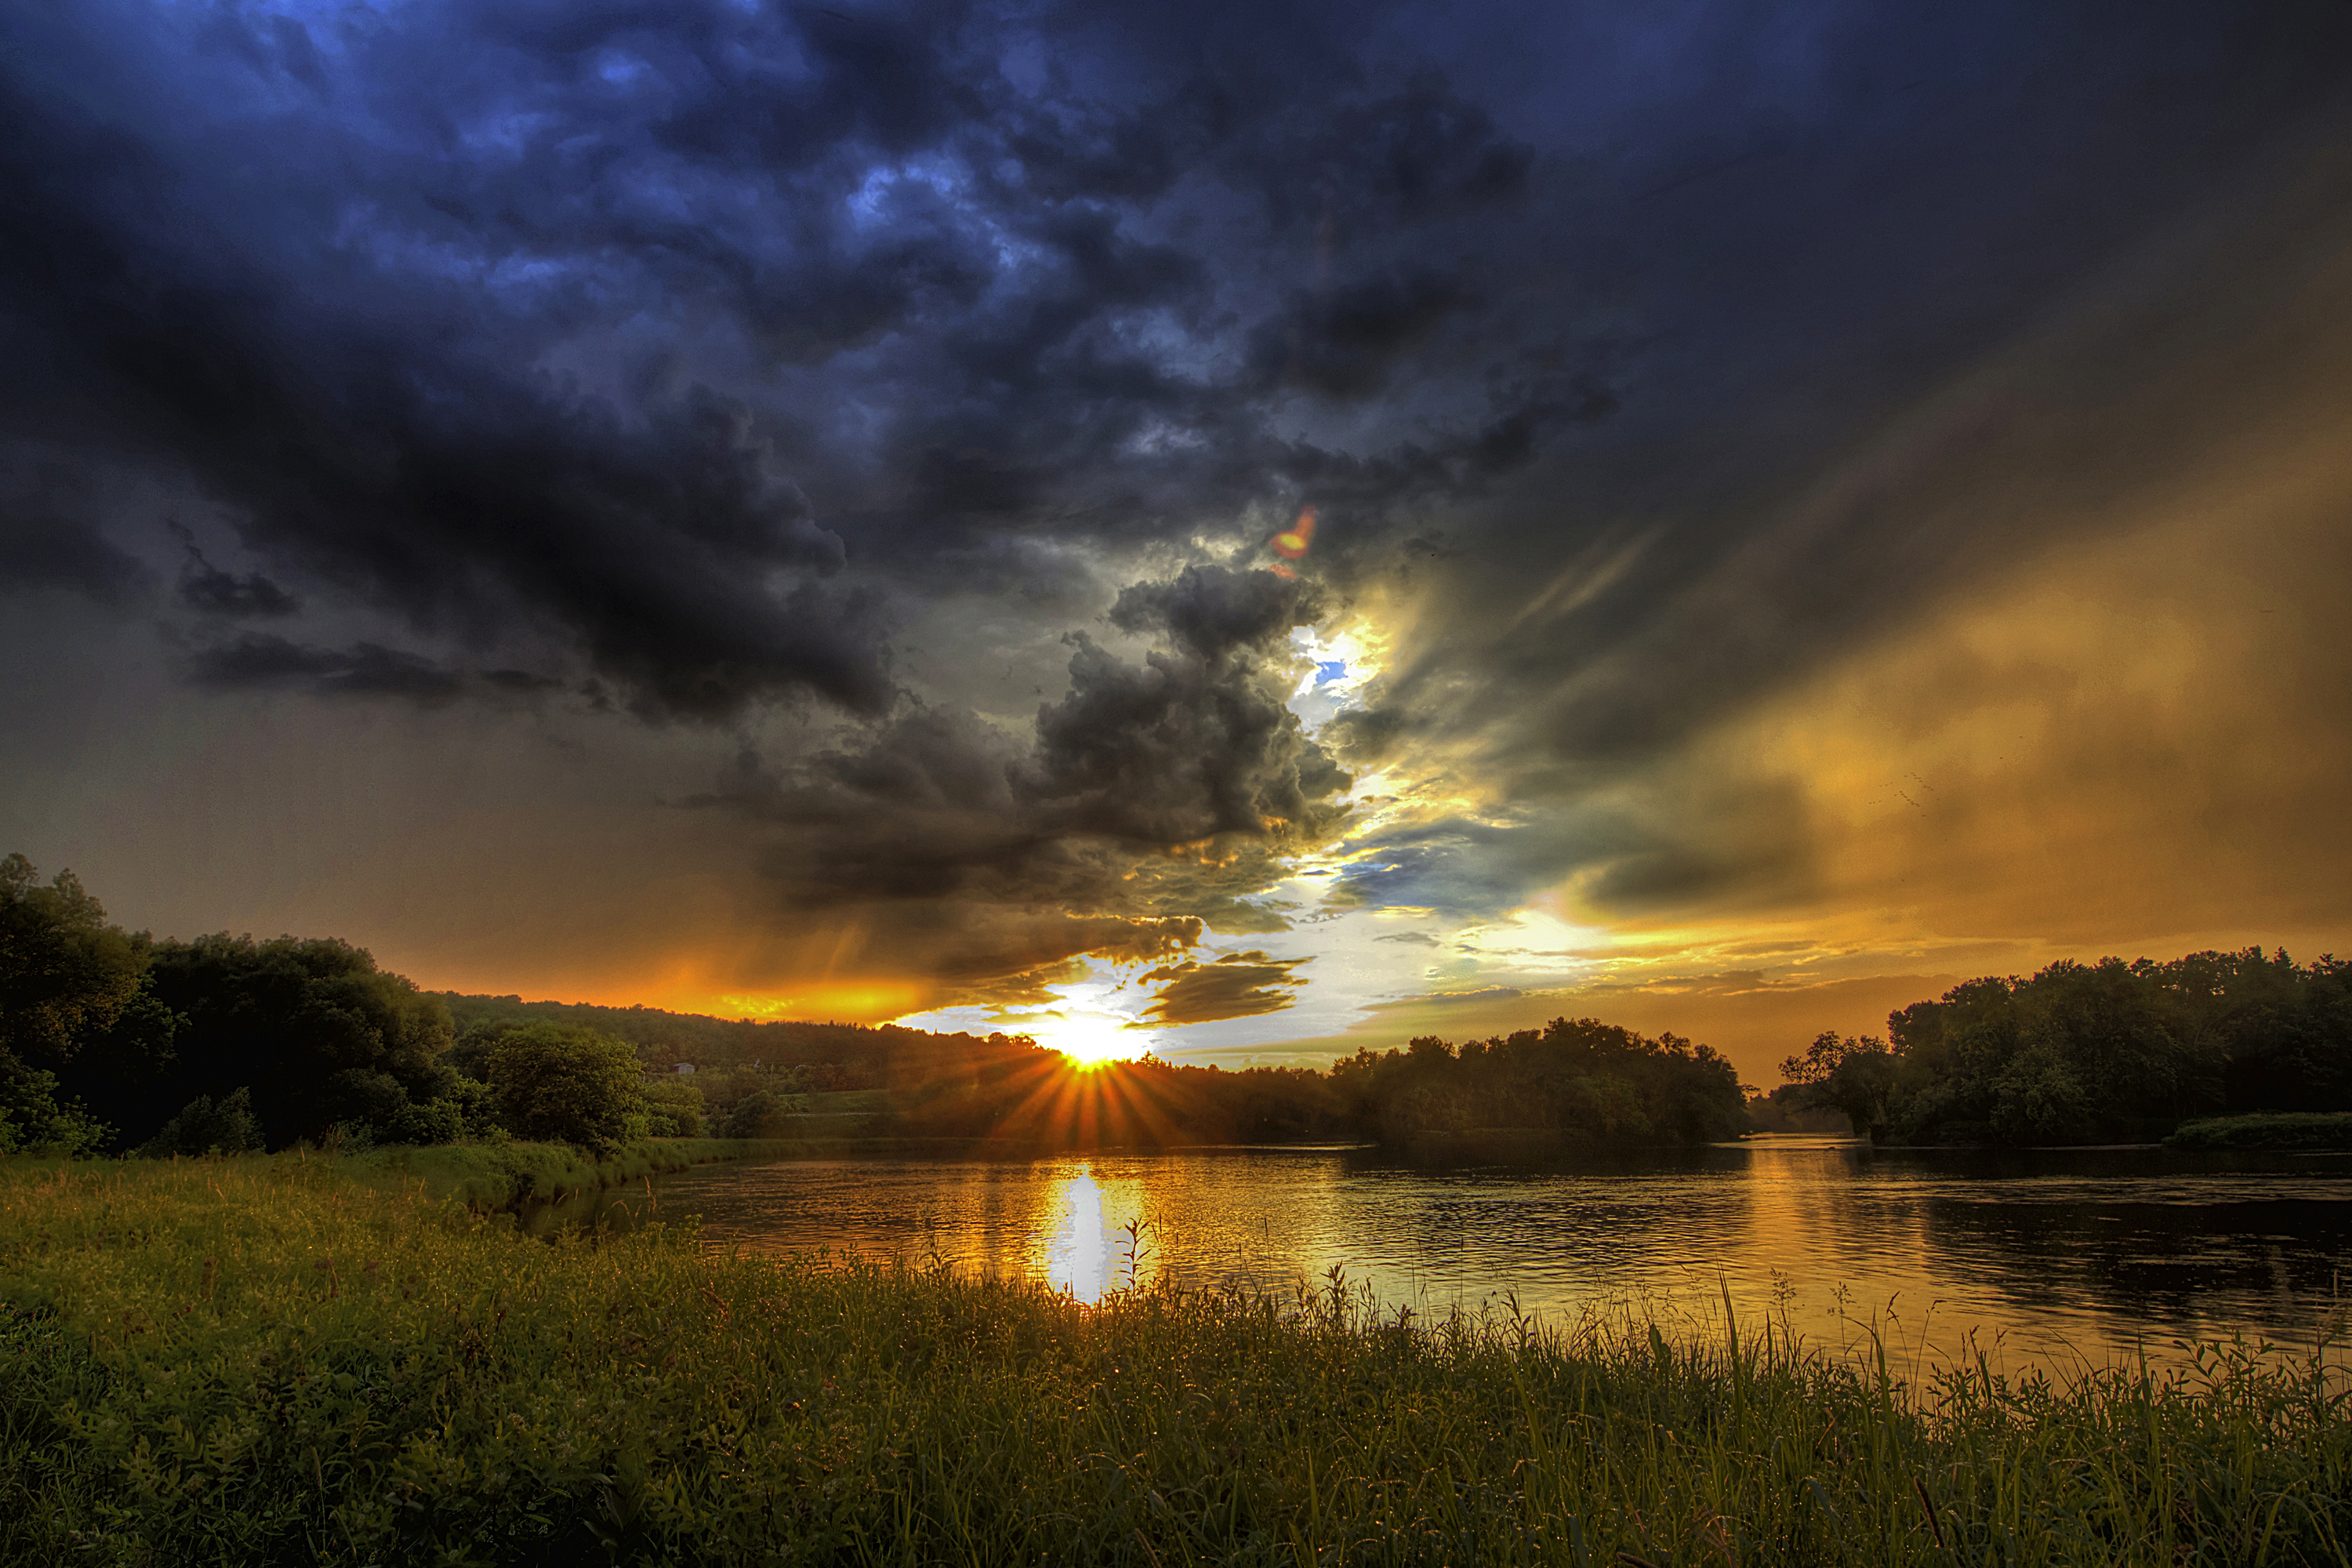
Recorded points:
(1592,1083)
(2105,1052)
(321,1034)
(66,975)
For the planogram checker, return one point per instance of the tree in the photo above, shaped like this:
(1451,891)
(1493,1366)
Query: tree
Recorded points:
(66,975)
(1857,1076)
(70,982)
(319,1034)
(568,1084)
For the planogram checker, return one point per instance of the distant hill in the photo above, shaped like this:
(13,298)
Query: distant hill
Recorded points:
(835,1056)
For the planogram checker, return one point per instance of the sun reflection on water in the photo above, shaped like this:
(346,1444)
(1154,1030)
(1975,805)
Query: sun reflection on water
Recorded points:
(1075,1257)
(1092,1234)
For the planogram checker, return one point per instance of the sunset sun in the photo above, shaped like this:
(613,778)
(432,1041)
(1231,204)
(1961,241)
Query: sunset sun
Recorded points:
(1096,1046)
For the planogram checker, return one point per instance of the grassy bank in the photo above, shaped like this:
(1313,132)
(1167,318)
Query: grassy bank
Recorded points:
(265,1359)
(2283,1130)
(504,1175)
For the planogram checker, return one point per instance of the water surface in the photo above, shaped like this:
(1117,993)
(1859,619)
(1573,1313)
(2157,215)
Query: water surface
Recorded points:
(2054,1259)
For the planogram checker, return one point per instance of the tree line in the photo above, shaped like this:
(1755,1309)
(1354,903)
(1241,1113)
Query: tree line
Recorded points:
(112,1041)
(2105,1052)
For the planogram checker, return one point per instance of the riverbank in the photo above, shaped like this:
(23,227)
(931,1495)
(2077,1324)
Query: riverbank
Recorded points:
(510,1174)
(272,1359)
(2279,1130)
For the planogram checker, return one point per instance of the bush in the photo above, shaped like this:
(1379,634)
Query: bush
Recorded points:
(465,1111)
(562,1083)
(203,1127)
(759,1114)
(2287,1130)
(673,1109)
(32,1117)
(315,1033)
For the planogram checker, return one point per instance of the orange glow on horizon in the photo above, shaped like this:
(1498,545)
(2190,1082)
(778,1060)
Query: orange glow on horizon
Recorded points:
(862,1001)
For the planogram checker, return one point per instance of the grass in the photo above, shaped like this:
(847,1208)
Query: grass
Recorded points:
(503,1174)
(270,1360)
(2281,1129)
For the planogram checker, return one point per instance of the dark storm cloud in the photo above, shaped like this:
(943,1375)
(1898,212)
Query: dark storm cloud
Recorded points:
(209,591)
(366,670)
(47,540)
(1147,801)
(1343,343)
(406,294)
(1236,985)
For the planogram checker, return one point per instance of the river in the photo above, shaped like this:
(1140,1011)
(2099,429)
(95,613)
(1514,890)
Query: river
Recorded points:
(2049,1259)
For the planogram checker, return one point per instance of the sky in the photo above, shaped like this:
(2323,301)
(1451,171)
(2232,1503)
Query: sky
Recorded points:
(1243,531)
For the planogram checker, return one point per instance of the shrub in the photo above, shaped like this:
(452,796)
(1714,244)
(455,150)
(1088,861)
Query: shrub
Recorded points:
(565,1084)
(203,1127)
(759,1114)
(32,1117)
(673,1109)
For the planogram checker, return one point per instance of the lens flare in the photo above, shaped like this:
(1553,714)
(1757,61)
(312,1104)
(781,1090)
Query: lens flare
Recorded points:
(1292,542)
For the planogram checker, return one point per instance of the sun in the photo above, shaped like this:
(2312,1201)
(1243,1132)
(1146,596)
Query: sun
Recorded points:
(1088,1048)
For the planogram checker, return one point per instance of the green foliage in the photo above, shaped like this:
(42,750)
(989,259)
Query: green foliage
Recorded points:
(502,1173)
(673,1109)
(262,1360)
(761,1114)
(2285,1130)
(66,975)
(824,1056)
(32,1118)
(463,1109)
(2109,1052)
(318,1036)
(204,1128)
(567,1084)
(1854,1076)
(1591,1082)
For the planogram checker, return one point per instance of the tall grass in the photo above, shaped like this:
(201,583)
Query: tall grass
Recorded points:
(262,1360)
(496,1175)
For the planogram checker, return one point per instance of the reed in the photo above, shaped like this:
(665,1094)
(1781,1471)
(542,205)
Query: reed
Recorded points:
(266,1359)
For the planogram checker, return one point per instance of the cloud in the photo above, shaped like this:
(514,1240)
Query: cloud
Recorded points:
(1234,986)
(896,403)
(209,591)
(365,670)
(1139,810)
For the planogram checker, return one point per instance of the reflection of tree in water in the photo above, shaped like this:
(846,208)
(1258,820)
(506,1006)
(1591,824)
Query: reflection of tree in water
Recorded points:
(2274,1263)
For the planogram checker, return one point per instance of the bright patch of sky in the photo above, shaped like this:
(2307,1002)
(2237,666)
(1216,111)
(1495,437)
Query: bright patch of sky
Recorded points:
(1342,665)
